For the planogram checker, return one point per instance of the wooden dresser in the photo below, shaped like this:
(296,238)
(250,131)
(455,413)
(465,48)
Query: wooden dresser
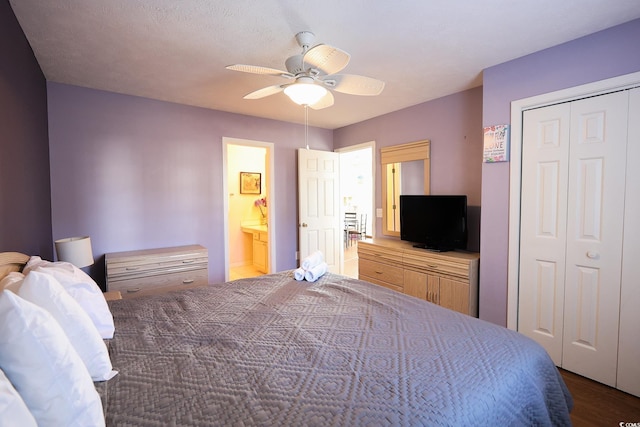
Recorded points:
(151,271)
(449,279)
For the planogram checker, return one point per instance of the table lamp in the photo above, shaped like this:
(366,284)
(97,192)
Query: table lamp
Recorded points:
(75,250)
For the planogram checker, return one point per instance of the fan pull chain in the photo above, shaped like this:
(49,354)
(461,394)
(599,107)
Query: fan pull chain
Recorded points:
(306,126)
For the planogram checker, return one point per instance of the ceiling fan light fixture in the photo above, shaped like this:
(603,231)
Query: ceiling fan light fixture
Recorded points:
(314,71)
(305,93)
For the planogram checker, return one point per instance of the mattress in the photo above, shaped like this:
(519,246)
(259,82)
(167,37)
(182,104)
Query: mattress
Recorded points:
(337,352)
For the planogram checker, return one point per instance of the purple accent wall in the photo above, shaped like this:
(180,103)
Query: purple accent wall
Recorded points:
(135,173)
(454,126)
(25,200)
(609,53)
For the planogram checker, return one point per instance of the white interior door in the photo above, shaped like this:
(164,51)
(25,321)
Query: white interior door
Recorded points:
(318,205)
(545,154)
(573,189)
(597,167)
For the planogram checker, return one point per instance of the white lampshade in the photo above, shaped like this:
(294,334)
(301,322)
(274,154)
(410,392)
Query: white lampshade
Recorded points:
(305,93)
(76,250)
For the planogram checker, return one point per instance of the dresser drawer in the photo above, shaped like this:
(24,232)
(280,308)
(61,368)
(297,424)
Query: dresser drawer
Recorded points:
(156,270)
(382,283)
(162,282)
(378,253)
(431,263)
(134,263)
(381,272)
(149,267)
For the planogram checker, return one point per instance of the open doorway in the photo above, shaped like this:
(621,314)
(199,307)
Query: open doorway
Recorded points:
(249,233)
(357,172)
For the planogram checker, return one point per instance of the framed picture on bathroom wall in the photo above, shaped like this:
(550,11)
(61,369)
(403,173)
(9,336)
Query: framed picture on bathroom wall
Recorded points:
(250,182)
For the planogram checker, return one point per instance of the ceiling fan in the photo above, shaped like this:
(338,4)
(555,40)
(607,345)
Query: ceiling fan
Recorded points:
(312,72)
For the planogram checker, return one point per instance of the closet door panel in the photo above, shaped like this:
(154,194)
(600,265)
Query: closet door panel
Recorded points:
(629,343)
(597,164)
(543,226)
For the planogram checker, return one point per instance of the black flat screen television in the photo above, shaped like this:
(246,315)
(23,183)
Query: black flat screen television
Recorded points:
(438,223)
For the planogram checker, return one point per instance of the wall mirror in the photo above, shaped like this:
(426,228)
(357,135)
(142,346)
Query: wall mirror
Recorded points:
(405,170)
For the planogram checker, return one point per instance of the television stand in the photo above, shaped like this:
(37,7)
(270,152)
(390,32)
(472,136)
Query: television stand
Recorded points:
(449,279)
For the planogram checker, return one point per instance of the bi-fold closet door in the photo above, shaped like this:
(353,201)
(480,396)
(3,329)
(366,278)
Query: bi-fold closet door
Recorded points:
(579,243)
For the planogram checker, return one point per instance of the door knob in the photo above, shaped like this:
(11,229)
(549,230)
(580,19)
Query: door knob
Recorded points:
(304,224)
(593,255)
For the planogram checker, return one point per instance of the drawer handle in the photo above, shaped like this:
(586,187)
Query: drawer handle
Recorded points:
(188,261)
(435,267)
(132,268)
(379,272)
(133,290)
(187,281)
(432,297)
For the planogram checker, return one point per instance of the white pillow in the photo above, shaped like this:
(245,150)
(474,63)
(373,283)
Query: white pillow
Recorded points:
(34,261)
(43,366)
(12,281)
(45,291)
(82,288)
(13,411)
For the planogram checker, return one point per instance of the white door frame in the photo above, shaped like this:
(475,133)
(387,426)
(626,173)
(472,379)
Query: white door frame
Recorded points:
(271,206)
(515,168)
(372,220)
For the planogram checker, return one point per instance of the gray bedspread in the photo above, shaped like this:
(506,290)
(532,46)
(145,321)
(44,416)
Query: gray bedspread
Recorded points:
(272,351)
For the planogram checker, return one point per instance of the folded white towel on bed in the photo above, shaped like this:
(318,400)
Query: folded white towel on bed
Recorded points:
(314,273)
(312,260)
(298,273)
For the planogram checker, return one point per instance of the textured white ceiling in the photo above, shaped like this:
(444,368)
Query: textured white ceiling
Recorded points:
(176,50)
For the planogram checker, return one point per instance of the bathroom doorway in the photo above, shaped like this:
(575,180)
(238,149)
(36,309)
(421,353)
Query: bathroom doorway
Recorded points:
(249,229)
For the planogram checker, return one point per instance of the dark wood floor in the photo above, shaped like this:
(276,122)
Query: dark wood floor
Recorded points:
(596,404)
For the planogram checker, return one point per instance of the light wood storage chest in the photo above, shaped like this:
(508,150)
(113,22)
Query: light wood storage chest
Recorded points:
(152,271)
(449,279)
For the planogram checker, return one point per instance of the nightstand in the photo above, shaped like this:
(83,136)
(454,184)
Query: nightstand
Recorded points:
(112,295)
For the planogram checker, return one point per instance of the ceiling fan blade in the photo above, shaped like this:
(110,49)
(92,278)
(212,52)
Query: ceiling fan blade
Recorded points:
(264,92)
(354,85)
(325,101)
(327,59)
(255,69)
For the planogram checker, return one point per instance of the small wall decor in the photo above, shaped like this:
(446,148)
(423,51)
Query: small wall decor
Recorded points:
(496,143)
(250,183)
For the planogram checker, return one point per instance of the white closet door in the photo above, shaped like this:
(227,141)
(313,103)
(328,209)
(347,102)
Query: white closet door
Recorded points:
(573,201)
(597,164)
(629,344)
(545,160)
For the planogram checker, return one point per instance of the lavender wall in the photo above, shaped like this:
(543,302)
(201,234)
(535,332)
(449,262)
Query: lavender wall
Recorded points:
(25,201)
(602,55)
(135,173)
(454,126)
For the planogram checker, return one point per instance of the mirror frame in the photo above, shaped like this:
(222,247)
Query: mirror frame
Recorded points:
(418,150)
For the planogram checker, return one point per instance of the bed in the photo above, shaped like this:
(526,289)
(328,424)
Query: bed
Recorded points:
(272,350)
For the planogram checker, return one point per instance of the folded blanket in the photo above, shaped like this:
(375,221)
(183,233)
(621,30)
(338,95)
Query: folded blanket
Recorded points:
(298,274)
(312,260)
(314,273)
